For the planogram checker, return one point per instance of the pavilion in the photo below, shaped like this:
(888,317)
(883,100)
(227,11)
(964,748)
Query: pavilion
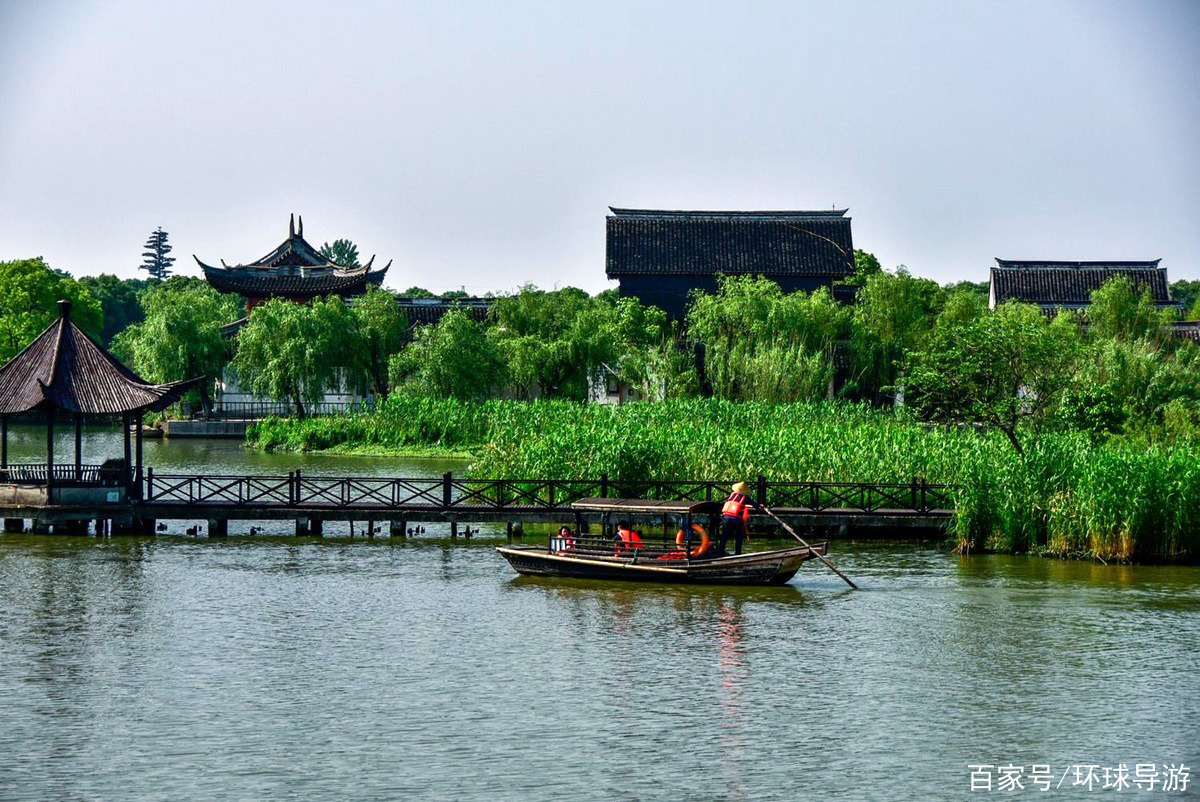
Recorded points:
(65,372)
(294,270)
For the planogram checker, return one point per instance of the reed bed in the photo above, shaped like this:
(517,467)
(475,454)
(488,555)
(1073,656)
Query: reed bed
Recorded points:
(1067,496)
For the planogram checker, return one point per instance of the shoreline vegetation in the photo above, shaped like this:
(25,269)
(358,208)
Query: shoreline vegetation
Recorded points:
(1067,495)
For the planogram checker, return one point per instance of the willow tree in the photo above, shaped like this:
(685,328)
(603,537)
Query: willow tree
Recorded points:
(762,344)
(293,353)
(452,358)
(180,337)
(382,327)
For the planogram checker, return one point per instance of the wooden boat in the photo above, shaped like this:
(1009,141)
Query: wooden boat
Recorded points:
(600,557)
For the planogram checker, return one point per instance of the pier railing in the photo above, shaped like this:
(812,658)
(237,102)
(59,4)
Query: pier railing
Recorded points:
(35,473)
(449,493)
(257,410)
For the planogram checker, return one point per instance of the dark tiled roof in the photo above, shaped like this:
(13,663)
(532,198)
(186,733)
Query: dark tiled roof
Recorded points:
(781,243)
(64,369)
(295,269)
(1070,284)
(423,311)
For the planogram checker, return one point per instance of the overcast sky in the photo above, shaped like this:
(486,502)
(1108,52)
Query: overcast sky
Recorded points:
(480,144)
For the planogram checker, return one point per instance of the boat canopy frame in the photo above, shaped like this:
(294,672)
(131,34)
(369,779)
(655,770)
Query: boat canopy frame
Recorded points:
(685,511)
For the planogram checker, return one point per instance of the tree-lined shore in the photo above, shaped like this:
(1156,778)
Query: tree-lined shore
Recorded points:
(1070,434)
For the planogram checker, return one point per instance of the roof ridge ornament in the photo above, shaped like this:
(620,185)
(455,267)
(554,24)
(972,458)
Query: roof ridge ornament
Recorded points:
(64,308)
(300,230)
(292,226)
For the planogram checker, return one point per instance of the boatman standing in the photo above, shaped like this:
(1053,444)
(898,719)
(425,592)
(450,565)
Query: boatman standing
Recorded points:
(734,515)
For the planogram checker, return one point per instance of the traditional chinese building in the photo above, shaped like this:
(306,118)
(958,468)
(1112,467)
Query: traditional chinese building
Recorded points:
(661,256)
(64,376)
(294,270)
(1069,285)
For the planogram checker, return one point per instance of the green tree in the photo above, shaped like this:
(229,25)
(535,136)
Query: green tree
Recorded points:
(1008,370)
(293,353)
(894,313)
(1142,381)
(1119,311)
(962,306)
(341,252)
(763,344)
(561,343)
(1187,293)
(180,337)
(982,289)
(450,359)
(155,260)
(120,299)
(29,292)
(382,328)
(454,295)
(417,292)
(865,266)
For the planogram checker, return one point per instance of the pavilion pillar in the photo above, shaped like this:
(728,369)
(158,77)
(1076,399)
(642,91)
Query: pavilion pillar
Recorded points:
(78,447)
(4,443)
(137,477)
(128,455)
(50,455)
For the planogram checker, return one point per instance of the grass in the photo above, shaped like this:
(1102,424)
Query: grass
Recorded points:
(1067,496)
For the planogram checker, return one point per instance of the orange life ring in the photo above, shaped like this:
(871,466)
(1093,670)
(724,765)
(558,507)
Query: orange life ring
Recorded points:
(697,551)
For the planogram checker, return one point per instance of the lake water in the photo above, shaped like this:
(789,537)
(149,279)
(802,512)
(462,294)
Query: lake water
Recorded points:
(271,667)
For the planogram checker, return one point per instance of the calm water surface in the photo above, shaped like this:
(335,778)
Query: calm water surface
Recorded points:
(273,667)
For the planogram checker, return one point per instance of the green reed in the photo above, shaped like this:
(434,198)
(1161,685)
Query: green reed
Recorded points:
(1067,496)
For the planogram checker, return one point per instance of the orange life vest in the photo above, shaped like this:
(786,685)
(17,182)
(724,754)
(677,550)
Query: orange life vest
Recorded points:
(737,506)
(628,540)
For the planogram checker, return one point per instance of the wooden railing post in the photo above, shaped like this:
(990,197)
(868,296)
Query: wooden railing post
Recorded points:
(296,488)
(446,488)
(150,483)
(762,489)
(604,485)
(924,505)
(551,492)
(913,493)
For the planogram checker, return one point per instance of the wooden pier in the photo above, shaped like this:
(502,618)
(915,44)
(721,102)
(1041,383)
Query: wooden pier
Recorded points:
(311,500)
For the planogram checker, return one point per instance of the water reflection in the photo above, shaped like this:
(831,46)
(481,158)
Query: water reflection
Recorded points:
(281,667)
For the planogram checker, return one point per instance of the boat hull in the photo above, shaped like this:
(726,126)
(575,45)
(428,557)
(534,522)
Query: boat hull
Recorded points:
(758,568)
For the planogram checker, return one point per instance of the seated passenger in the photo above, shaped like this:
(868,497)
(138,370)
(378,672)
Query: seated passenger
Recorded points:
(564,541)
(627,539)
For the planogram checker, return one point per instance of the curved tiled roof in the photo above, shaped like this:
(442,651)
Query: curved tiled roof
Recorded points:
(646,242)
(295,270)
(65,369)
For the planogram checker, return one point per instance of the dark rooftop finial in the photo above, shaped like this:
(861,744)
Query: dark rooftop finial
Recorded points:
(300,230)
(64,308)
(291,226)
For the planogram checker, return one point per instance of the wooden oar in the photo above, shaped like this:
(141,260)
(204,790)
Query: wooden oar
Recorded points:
(820,556)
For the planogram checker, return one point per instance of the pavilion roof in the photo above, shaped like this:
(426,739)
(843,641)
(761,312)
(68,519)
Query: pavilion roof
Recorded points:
(294,269)
(651,242)
(64,369)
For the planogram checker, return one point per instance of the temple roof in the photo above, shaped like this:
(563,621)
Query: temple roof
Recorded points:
(294,269)
(63,368)
(648,242)
(1071,284)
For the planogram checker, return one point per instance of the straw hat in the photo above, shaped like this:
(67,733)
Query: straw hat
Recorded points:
(740,487)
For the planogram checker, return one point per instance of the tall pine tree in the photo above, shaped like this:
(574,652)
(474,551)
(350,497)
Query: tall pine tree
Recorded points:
(155,259)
